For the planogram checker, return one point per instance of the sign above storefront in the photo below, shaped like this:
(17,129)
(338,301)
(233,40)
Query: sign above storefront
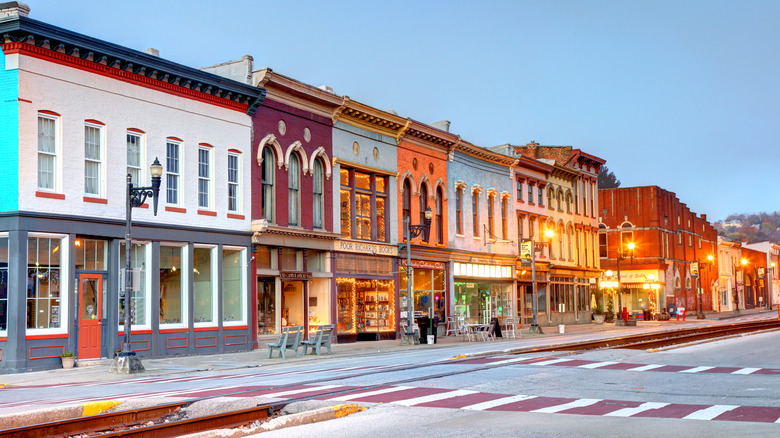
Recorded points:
(366,248)
(290,275)
(424,264)
(642,276)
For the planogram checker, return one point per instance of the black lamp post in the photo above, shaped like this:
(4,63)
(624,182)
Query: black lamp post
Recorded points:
(126,361)
(411,232)
(537,246)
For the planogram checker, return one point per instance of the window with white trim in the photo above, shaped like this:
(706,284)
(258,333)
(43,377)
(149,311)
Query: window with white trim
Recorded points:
(46,299)
(233,283)
(234,182)
(204,291)
(48,151)
(135,149)
(93,160)
(204,177)
(172,172)
(140,258)
(268,178)
(173,285)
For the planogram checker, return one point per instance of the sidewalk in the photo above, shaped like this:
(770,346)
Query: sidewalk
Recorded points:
(97,370)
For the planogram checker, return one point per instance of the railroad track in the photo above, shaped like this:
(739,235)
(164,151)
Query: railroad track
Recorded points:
(165,420)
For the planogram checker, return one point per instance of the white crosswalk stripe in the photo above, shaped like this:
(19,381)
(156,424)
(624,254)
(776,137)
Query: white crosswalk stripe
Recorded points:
(645,367)
(627,412)
(517,359)
(550,362)
(370,393)
(298,391)
(575,404)
(498,402)
(746,371)
(597,365)
(434,397)
(697,370)
(709,413)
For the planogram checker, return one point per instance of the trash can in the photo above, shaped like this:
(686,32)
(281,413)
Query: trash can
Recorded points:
(431,339)
(647,315)
(424,322)
(561,328)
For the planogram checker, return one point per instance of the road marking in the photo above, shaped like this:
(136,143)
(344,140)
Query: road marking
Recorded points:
(298,391)
(370,393)
(549,362)
(597,365)
(517,359)
(709,413)
(627,412)
(575,404)
(646,367)
(498,402)
(697,370)
(434,397)
(746,371)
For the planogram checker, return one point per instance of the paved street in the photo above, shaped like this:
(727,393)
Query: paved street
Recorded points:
(725,385)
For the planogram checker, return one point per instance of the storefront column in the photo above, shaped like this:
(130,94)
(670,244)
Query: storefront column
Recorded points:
(14,352)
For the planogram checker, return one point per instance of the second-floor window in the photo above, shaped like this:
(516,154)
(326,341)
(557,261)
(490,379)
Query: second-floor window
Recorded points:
(204,177)
(47,152)
(530,194)
(459,210)
(520,190)
(423,204)
(503,219)
(93,159)
(439,216)
(134,157)
(407,202)
(318,189)
(234,182)
(294,191)
(475,213)
(268,178)
(603,241)
(363,205)
(172,172)
(540,191)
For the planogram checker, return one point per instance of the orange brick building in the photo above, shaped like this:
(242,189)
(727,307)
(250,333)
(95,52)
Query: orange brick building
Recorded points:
(671,245)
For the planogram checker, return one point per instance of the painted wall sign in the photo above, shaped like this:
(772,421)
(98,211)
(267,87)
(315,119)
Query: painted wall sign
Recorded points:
(424,264)
(287,275)
(366,248)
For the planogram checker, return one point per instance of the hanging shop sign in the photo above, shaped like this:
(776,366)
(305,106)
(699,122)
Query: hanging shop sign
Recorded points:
(525,253)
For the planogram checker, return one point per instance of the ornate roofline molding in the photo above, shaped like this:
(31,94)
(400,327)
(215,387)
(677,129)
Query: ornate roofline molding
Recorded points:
(369,118)
(286,90)
(38,39)
(484,154)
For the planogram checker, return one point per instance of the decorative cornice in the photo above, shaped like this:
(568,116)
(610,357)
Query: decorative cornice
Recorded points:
(296,94)
(292,232)
(369,118)
(485,154)
(34,38)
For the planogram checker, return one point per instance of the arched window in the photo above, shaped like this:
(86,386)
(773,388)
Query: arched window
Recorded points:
(560,200)
(294,191)
(268,178)
(550,197)
(677,283)
(439,216)
(318,184)
(490,201)
(687,282)
(407,203)
(626,236)
(568,202)
(423,203)
(459,210)
(570,238)
(560,242)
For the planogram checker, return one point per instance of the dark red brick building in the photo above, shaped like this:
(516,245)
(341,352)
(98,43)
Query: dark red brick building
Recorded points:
(670,244)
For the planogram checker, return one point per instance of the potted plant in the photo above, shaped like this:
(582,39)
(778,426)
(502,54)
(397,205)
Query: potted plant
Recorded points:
(68,359)
(609,313)
(598,314)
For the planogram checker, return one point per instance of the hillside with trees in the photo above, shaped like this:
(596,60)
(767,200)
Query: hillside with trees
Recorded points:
(757,227)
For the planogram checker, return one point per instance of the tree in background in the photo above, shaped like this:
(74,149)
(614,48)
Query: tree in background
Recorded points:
(607,179)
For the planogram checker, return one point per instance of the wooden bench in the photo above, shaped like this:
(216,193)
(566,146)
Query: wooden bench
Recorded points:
(290,339)
(322,338)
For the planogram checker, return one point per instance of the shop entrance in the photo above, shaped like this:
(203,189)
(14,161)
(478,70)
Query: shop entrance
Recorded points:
(90,315)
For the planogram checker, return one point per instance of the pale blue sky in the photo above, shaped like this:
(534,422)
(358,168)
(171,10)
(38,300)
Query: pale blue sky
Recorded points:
(680,94)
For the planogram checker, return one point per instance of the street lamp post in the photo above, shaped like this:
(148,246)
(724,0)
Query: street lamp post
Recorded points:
(126,361)
(620,256)
(535,328)
(411,232)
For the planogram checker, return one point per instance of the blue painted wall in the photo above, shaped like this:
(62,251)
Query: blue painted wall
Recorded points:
(9,137)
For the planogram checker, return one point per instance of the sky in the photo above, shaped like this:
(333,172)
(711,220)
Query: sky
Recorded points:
(680,94)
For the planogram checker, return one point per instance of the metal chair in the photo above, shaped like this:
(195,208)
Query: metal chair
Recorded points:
(510,331)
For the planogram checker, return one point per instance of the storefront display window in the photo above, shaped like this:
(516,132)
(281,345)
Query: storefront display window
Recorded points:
(171,286)
(365,305)
(319,304)
(232,285)
(479,302)
(429,293)
(562,294)
(91,254)
(139,297)
(204,285)
(362,207)
(44,308)
(266,308)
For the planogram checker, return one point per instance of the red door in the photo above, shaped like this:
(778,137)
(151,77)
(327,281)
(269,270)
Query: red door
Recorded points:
(89,323)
